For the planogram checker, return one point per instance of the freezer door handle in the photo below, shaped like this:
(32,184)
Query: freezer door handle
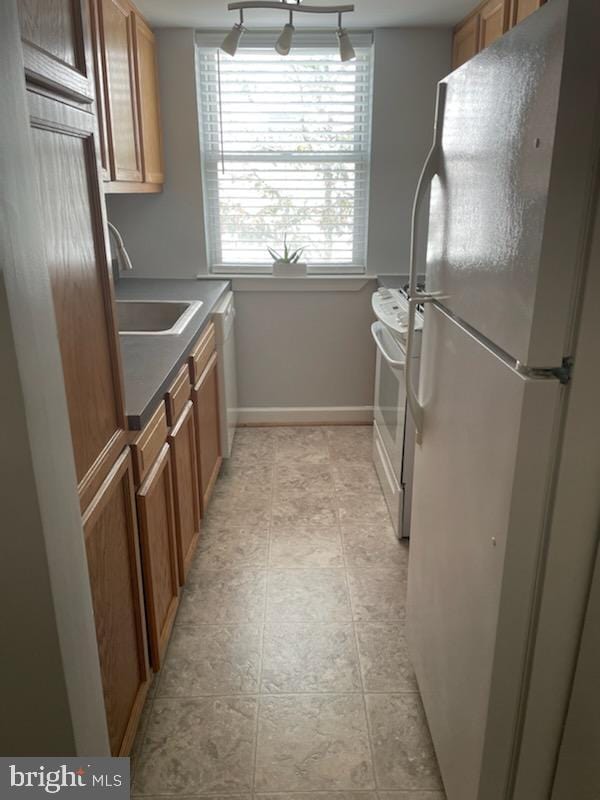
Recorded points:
(376,330)
(430,169)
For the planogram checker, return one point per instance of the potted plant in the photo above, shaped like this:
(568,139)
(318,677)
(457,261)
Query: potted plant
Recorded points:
(288,262)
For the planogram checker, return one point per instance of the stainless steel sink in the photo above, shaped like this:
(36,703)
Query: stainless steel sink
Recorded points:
(155,317)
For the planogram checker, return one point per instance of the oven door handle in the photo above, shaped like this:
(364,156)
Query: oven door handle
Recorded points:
(376,329)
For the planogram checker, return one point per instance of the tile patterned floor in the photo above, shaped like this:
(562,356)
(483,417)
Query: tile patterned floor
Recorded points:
(287,676)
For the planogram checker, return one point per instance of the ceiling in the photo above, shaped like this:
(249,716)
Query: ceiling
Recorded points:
(368,14)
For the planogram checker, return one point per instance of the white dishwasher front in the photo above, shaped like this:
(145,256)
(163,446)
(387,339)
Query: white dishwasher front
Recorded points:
(224,319)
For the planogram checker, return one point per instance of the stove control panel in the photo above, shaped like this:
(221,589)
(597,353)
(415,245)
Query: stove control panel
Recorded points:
(391,308)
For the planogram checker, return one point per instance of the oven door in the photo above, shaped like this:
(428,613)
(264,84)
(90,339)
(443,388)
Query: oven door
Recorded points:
(390,396)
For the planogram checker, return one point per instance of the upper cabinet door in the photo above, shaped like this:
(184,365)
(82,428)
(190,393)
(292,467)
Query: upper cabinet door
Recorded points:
(466,41)
(521,9)
(55,36)
(493,22)
(148,102)
(125,159)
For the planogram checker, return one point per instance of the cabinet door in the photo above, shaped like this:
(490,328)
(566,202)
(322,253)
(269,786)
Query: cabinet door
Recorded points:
(159,554)
(523,8)
(148,102)
(100,89)
(64,142)
(466,41)
(186,490)
(493,22)
(55,36)
(111,542)
(116,25)
(206,410)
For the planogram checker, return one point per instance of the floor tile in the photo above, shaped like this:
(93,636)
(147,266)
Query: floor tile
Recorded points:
(247,510)
(402,748)
(369,507)
(304,509)
(197,746)
(309,658)
(226,547)
(223,596)
(361,795)
(355,477)
(301,445)
(307,595)
(312,742)
(377,594)
(299,546)
(384,657)
(212,659)
(351,444)
(411,795)
(295,477)
(370,544)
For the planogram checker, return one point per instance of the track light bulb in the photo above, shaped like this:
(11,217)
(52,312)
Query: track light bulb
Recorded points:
(346,50)
(232,40)
(284,43)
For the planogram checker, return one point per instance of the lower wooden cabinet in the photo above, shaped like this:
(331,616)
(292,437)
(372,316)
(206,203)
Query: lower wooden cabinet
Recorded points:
(159,553)
(205,396)
(111,540)
(182,440)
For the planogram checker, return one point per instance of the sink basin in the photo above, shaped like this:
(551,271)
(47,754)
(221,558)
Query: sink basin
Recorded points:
(155,317)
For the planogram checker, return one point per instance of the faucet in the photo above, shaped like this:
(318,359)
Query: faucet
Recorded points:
(123,260)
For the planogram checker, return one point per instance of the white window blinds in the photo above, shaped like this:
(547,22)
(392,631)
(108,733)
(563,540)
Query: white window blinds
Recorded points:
(285,149)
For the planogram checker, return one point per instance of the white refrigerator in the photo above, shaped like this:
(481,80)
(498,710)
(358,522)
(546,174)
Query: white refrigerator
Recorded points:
(512,180)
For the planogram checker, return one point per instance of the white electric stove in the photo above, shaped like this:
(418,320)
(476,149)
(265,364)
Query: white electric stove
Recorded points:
(393,431)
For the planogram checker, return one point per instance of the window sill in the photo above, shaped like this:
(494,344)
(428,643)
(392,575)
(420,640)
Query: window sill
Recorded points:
(305,283)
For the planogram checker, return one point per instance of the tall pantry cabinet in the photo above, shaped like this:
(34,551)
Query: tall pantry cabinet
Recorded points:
(59,68)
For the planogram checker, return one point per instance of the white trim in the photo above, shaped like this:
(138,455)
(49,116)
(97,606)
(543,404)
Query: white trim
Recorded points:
(329,415)
(280,283)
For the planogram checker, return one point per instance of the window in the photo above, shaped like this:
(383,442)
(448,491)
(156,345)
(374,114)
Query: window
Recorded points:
(286,150)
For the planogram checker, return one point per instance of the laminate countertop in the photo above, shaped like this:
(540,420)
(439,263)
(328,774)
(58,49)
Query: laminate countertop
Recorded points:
(150,363)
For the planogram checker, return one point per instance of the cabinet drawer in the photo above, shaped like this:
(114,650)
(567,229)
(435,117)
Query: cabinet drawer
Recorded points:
(178,395)
(148,444)
(202,352)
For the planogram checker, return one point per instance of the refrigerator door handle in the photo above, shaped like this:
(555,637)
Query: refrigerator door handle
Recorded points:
(428,172)
(376,328)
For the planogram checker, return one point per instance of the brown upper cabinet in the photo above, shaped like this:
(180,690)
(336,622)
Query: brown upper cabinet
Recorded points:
(148,104)
(488,22)
(127,84)
(520,9)
(122,121)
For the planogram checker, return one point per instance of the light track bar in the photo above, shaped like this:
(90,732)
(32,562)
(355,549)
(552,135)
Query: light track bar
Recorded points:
(296,8)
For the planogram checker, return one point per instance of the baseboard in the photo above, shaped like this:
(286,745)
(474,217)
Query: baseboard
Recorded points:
(329,415)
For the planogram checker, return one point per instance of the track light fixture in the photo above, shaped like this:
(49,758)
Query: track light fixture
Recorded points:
(284,43)
(232,40)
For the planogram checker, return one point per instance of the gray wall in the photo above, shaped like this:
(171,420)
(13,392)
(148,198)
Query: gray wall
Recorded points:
(408,65)
(323,341)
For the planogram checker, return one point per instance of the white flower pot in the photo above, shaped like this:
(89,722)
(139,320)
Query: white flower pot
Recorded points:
(284,269)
